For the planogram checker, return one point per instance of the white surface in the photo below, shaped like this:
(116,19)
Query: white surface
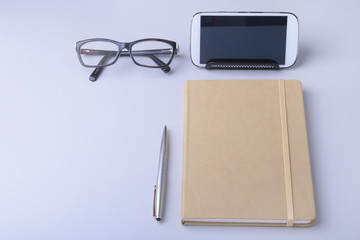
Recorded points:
(78,159)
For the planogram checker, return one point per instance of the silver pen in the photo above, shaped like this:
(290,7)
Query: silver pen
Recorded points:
(159,189)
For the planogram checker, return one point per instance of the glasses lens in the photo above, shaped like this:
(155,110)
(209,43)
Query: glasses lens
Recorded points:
(98,53)
(151,53)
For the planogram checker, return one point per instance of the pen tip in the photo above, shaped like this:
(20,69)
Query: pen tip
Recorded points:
(158,219)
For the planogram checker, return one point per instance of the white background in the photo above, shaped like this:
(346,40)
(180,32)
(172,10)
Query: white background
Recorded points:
(78,159)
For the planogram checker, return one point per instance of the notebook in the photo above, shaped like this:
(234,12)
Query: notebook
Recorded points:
(246,158)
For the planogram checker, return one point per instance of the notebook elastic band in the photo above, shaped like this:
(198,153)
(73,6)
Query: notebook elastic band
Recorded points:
(286,155)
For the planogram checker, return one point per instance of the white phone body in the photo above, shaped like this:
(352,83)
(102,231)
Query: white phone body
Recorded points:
(292,32)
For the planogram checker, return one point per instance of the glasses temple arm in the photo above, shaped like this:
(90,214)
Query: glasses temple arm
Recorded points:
(126,53)
(149,53)
(165,69)
(96,73)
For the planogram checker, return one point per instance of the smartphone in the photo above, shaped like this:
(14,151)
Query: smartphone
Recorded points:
(244,35)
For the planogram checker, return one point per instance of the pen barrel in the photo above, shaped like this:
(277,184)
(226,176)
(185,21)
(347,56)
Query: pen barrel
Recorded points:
(161,178)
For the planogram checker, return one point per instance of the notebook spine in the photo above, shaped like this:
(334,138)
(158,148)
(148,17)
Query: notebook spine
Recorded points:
(185,143)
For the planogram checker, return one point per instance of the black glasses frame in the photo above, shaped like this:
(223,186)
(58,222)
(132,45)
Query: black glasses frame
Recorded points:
(128,52)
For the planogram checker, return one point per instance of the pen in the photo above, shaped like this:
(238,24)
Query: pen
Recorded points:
(159,189)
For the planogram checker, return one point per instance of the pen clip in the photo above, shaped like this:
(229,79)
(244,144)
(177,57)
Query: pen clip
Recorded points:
(154,201)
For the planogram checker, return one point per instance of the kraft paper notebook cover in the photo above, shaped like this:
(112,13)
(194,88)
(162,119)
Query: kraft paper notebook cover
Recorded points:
(246,158)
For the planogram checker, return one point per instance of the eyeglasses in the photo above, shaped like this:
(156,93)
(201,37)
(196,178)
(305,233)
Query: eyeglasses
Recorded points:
(150,52)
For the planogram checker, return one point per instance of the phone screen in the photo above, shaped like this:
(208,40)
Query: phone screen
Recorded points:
(243,37)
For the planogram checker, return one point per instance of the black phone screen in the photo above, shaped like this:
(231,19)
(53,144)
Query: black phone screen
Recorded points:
(243,37)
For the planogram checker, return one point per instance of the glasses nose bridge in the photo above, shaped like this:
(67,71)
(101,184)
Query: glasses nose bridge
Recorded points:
(123,46)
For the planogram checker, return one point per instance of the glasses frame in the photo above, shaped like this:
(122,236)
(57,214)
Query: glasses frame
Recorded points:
(126,45)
